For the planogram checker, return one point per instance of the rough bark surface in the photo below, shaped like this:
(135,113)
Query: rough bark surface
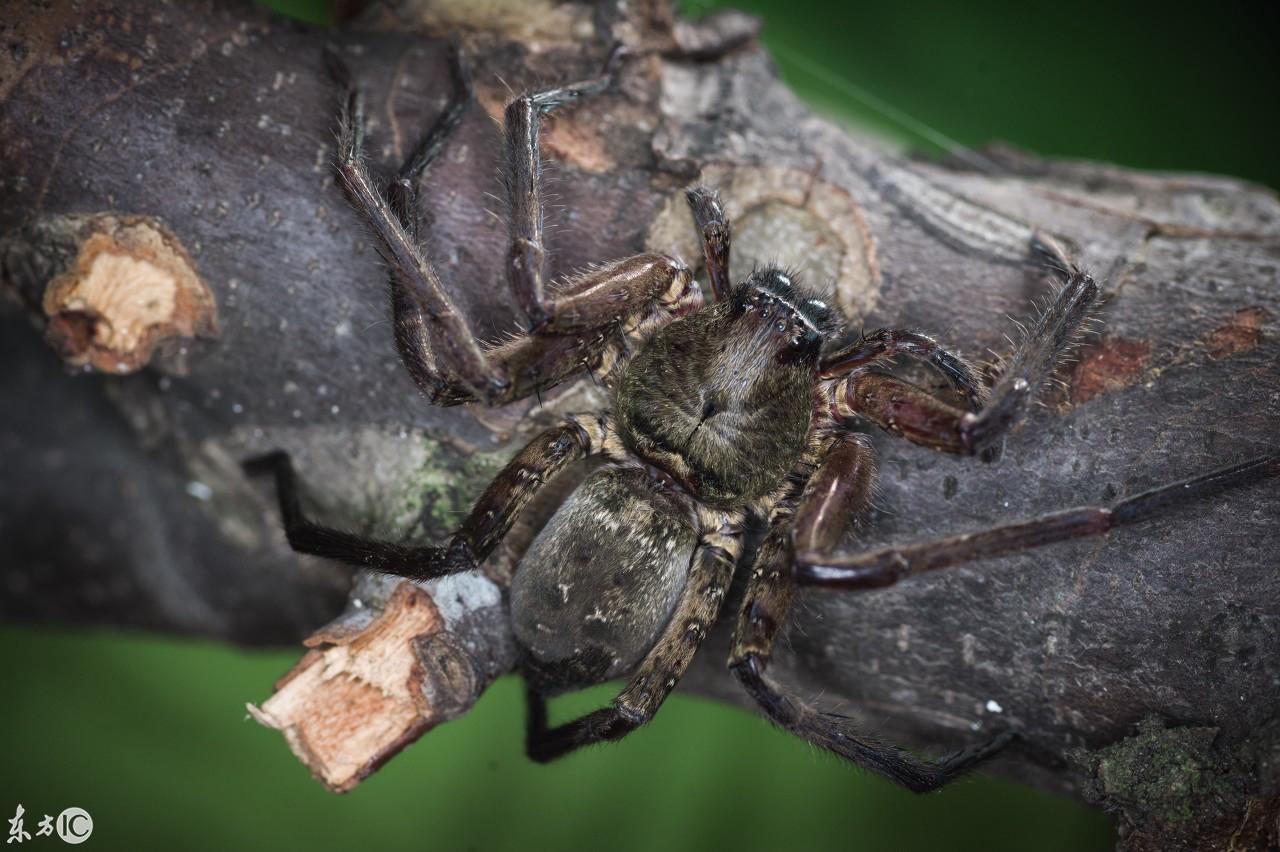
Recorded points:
(122,501)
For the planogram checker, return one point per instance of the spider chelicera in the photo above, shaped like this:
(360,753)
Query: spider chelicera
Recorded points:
(738,412)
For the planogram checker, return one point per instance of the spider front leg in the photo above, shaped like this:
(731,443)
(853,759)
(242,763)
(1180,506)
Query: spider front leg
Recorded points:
(716,232)
(922,418)
(572,328)
(884,344)
(545,456)
(710,572)
(839,490)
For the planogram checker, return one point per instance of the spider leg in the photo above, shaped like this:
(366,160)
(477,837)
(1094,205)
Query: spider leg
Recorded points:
(765,609)
(1043,348)
(889,565)
(836,494)
(838,491)
(423,310)
(713,226)
(918,416)
(306,536)
(523,175)
(884,344)
(574,327)
(903,409)
(403,191)
(710,572)
(495,511)
(542,458)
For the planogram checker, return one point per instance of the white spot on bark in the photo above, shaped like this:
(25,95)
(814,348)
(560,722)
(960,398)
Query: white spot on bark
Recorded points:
(459,595)
(199,490)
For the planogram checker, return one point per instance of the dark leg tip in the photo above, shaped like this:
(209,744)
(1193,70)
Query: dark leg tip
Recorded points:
(336,66)
(266,463)
(705,201)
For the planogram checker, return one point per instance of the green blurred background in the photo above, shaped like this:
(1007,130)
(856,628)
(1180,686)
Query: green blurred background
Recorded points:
(150,735)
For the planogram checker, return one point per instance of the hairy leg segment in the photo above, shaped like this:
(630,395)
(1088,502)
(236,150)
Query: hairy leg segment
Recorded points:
(917,415)
(839,490)
(889,565)
(541,459)
(570,327)
(710,572)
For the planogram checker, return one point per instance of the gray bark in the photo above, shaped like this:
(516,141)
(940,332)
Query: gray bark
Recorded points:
(122,502)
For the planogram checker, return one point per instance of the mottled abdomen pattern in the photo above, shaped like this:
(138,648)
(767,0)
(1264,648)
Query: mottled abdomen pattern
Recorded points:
(600,581)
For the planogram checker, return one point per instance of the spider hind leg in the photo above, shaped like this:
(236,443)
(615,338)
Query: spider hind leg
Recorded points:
(307,536)
(541,460)
(710,571)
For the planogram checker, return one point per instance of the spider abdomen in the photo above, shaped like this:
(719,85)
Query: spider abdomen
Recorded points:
(599,583)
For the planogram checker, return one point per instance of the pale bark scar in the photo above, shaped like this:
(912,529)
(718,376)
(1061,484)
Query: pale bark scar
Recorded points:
(131,287)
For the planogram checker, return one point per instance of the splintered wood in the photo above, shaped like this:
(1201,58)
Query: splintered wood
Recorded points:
(357,697)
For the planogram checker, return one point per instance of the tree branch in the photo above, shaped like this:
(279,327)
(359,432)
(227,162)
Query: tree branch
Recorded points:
(188,149)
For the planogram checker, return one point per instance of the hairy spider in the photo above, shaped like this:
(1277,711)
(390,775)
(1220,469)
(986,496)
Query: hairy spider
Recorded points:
(740,411)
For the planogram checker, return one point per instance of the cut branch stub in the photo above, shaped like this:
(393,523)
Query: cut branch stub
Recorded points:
(402,659)
(131,286)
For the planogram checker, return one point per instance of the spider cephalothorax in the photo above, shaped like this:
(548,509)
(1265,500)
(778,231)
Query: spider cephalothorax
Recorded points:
(720,400)
(742,412)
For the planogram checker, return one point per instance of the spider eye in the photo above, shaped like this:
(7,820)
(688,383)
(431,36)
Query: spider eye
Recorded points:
(781,326)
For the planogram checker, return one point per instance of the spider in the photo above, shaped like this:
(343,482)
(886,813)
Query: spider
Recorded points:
(738,413)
